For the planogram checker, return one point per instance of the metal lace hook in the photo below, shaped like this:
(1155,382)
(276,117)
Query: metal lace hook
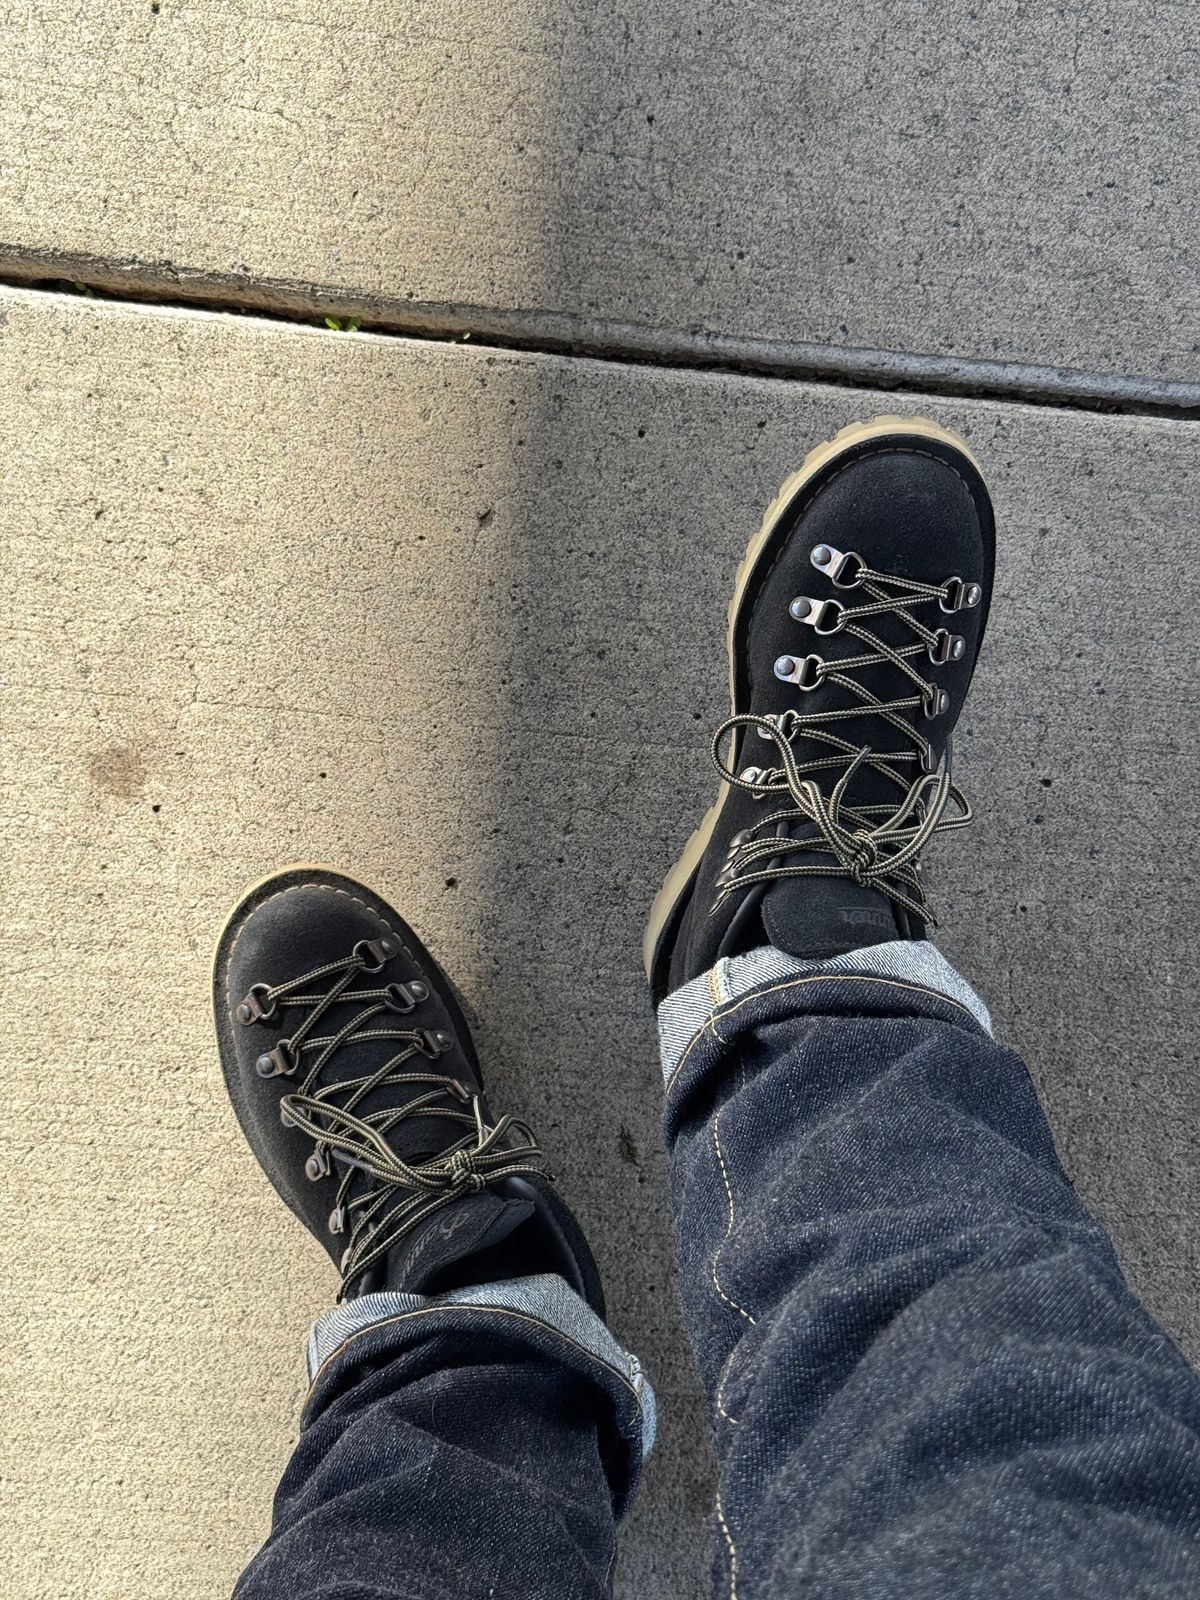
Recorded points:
(483,1130)
(843,567)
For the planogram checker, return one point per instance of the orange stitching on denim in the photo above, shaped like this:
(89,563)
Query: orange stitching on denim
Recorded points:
(714,994)
(795,983)
(741,1310)
(718,1397)
(730,1546)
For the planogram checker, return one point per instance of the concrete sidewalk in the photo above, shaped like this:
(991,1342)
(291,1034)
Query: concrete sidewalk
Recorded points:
(273,586)
(277,587)
(1009,183)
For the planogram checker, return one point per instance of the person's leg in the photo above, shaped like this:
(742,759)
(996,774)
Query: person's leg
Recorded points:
(472,1429)
(927,1375)
(476,1444)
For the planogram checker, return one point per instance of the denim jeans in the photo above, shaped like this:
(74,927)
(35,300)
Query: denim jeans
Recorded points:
(926,1374)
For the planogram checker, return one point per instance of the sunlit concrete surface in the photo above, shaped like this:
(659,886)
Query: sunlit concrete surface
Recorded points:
(453,619)
(1012,181)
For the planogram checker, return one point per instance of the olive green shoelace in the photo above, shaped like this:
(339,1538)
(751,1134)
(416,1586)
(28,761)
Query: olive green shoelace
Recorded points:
(875,845)
(368,1200)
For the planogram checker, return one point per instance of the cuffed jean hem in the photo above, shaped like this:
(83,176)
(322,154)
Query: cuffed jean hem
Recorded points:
(913,963)
(544,1308)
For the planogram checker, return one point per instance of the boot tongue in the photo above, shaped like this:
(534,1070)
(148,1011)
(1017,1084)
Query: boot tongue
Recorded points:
(450,1236)
(812,918)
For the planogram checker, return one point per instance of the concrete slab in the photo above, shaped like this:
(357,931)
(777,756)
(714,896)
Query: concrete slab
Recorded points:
(453,619)
(1003,182)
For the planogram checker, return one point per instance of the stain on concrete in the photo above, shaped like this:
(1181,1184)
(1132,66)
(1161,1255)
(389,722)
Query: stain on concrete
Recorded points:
(118,770)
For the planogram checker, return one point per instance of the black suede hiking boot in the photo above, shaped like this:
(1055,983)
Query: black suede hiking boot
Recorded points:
(854,628)
(353,1075)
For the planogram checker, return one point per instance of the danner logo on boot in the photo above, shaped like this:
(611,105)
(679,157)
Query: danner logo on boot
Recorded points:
(455,1233)
(860,917)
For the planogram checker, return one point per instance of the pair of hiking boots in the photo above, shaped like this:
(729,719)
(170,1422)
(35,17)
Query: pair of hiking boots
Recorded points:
(855,624)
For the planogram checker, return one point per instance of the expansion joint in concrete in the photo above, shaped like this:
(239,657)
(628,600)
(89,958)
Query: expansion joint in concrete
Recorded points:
(549,332)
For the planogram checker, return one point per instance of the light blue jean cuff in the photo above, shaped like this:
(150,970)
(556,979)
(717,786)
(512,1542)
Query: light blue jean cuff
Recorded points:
(684,1012)
(545,1298)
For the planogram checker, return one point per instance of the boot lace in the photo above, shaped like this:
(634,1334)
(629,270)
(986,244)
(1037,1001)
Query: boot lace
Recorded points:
(875,845)
(375,1179)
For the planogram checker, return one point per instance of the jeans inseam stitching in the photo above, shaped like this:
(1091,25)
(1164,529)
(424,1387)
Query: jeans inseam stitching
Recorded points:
(709,1025)
(729,1301)
(504,1311)
(612,1559)
(730,1546)
(719,1392)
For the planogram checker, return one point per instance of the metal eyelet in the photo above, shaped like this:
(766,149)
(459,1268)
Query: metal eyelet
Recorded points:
(784,722)
(947,646)
(936,703)
(726,874)
(823,616)
(842,567)
(404,997)
(959,596)
(378,951)
(285,1115)
(435,1042)
(349,1250)
(253,1008)
(278,1063)
(337,1220)
(803,671)
(318,1166)
(752,775)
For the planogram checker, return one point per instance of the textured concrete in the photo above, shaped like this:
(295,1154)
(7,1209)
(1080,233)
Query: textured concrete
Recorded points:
(1009,181)
(454,621)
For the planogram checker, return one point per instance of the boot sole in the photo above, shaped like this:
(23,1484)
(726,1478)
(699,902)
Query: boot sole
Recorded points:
(671,898)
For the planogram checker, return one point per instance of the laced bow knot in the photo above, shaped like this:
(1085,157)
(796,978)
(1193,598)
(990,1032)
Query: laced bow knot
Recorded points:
(463,1174)
(864,858)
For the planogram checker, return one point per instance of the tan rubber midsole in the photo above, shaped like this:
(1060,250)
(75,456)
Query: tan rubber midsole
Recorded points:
(678,879)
